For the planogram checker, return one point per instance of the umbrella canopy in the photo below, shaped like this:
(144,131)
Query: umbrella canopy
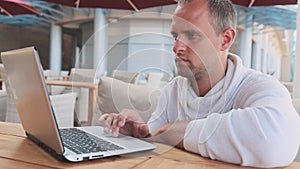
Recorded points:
(16,7)
(115,4)
(141,4)
(250,3)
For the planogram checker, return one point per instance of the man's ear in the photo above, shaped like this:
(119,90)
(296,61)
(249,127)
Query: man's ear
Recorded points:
(228,38)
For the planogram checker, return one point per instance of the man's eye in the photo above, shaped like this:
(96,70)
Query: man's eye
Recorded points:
(174,36)
(192,35)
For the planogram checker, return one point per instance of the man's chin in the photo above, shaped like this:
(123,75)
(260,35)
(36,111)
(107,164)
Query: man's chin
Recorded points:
(186,73)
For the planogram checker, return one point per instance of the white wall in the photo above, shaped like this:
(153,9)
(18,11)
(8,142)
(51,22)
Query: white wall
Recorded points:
(150,46)
(118,33)
(134,44)
(142,42)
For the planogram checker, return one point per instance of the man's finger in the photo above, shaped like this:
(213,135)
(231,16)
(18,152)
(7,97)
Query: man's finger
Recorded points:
(115,132)
(108,121)
(144,130)
(103,117)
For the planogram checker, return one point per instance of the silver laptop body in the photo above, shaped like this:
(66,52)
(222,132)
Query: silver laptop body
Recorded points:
(25,76)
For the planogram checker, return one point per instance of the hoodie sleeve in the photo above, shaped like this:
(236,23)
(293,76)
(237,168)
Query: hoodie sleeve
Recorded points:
(261,131)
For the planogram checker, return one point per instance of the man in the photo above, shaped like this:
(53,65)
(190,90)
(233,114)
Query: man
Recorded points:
(217,107)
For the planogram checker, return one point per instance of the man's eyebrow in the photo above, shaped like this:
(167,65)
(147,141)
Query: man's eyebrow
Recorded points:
(173,33)
(186,32)
(191,31)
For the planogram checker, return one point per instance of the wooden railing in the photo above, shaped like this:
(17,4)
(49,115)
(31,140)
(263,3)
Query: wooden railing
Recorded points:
(93,90)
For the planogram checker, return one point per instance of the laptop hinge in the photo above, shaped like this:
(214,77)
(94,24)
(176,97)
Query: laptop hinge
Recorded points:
(45,147)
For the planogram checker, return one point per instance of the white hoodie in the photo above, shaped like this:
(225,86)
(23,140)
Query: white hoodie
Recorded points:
(247,118)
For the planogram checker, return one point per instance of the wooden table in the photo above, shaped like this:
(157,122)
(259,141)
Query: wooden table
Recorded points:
(92,94)
(16,151)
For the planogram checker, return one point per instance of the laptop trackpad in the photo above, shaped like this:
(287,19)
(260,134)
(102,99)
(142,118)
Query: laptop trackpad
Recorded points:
(123,141)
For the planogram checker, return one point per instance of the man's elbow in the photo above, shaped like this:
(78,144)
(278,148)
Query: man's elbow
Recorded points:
(271,155)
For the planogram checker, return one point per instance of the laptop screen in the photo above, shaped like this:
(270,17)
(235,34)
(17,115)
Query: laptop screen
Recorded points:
(25,77)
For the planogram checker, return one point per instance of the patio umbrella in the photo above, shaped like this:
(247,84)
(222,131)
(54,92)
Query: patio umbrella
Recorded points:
(17,7)
(250,3)
(114,4)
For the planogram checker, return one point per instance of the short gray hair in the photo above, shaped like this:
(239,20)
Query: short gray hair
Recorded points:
(222,12)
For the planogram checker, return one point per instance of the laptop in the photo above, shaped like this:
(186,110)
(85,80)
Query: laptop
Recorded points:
(25,76)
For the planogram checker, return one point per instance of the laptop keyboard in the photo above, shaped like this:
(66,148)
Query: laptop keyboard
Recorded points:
(81,142)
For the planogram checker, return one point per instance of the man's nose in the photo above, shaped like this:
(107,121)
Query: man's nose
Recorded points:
(179,46)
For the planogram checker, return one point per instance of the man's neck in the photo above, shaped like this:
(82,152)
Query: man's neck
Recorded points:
(204,85)
(201,87)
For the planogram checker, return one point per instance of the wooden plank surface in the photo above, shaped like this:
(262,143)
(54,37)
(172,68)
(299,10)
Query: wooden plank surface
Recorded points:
(12,129)
(16,151)
(13,164)
(23,150)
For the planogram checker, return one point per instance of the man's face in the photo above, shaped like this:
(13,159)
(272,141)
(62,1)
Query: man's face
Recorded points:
(196,42)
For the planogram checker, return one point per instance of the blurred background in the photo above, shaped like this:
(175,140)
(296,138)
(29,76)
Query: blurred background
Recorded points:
(133,39)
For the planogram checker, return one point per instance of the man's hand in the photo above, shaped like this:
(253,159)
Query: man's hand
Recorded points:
(127,122)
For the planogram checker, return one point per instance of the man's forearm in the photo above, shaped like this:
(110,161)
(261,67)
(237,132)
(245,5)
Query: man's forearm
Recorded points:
(172,134)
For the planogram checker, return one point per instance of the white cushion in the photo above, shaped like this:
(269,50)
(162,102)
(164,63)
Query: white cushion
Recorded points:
(115,95)
(125,76)
(83,75)
(63,106)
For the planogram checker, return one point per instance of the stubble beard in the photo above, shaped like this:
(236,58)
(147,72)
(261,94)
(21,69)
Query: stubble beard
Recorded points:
(194,73)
